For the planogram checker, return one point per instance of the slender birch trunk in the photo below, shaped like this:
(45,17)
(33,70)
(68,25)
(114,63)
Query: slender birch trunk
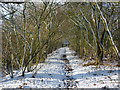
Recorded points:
(24,30)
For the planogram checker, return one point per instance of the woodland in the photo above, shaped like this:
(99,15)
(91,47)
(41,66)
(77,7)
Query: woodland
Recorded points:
(31,31)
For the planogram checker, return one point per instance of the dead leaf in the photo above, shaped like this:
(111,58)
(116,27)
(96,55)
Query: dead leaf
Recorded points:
(20,86)
(24,83)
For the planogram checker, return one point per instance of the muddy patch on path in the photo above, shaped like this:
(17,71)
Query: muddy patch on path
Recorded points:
(69,81)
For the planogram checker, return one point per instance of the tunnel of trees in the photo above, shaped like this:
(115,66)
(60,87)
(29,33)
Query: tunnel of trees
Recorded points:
(30,31)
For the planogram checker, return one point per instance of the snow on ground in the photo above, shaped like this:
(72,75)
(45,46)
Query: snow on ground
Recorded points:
(92,76)
(52,74)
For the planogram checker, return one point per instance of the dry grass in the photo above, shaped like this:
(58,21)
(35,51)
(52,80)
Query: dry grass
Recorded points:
(89,63)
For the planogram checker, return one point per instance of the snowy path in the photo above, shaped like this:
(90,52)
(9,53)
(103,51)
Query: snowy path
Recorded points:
(70,73)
